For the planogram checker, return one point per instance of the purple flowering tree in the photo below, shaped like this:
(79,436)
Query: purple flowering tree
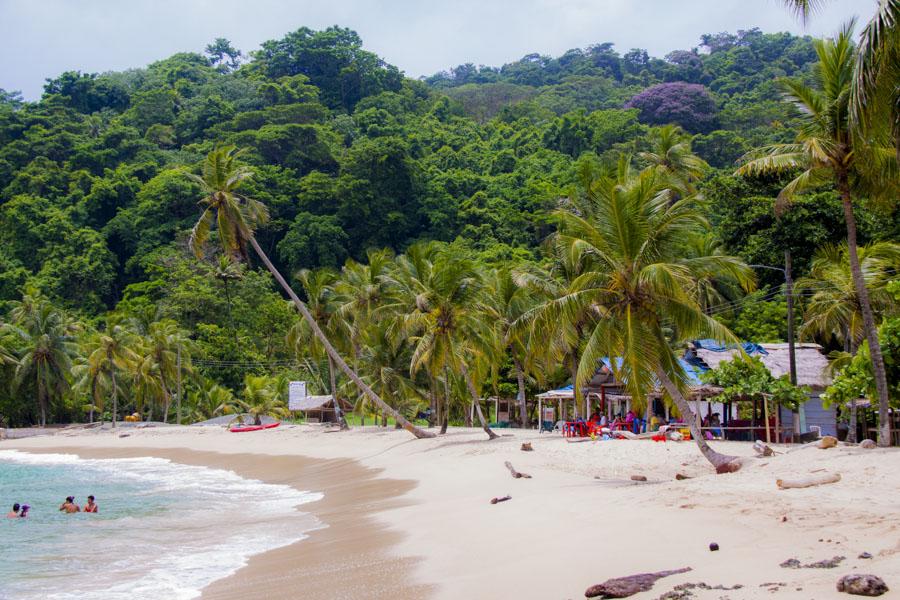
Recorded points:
(685,104)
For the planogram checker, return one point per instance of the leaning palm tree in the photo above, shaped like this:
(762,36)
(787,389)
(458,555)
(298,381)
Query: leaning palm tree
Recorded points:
(43,336)
(628,238)
(236,217)
(874,93)
(827,152)
(833,309)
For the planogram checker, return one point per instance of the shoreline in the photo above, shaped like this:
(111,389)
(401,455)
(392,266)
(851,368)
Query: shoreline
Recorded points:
(315,564)
(415,519)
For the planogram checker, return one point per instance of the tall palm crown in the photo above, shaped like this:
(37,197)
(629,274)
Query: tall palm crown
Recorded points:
(826,149)
(833,308)
(874,93)
(628,235)
(236,216)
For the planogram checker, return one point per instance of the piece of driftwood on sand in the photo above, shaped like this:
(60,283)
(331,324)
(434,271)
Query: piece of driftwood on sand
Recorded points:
(622,587)
(516,474)
(805,482)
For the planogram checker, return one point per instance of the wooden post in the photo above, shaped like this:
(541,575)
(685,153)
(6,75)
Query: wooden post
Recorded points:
(766,417)
(777,422)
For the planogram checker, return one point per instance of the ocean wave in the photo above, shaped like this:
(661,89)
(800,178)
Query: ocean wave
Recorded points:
(218,522)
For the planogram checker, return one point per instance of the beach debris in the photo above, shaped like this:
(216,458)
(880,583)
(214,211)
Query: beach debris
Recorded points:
(516,474)
(501,499)
(828,563)
(784,518)
(862,585)
(683,591)
(713,547)
(867,444)
(865,555)
(829,441)
(622,587)
(681,476)
(121,435)
(805,482)
(526,447)
(638,478)
(762,449)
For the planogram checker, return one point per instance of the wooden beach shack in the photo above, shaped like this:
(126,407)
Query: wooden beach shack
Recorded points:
(320,409)
(812,371)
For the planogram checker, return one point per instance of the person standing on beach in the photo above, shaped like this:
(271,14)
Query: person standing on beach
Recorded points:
(69,506)
(91,506)
(14,513)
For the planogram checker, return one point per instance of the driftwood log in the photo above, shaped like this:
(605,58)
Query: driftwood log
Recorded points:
(805,482)
(681,476)
(516,474)
(639,478)
(501,499)
(622,587)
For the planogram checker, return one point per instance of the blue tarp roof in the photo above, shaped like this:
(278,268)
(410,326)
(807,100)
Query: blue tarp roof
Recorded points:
(693,371)
(714,346)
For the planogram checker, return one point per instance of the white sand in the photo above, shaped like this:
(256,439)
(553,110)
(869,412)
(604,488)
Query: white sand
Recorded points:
(565,529)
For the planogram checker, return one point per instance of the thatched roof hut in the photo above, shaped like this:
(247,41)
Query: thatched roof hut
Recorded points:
(320,408)
(812,365)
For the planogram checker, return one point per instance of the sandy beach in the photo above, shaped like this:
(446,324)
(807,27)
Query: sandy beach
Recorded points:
(412,519)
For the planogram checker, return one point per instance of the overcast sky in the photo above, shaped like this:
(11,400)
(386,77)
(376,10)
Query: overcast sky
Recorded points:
(42,38)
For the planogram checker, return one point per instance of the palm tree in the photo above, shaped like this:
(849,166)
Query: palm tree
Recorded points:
(874,94)
(826,151)
(671,158)
(440,307)
(628,236)
(834,310)
(209,399)
(43,336)
(509,298)
(158,364)
(260,399)
(386,361)
(237,216)
(107,352)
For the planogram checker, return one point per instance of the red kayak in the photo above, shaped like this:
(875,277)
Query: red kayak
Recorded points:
(240,428)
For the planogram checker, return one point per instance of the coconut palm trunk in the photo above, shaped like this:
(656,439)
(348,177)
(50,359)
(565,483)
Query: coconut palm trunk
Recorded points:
(445,413)
(722,462)
(520,380)
(865,307)
(115,397)
(477,400)
(342,419)
(332,353)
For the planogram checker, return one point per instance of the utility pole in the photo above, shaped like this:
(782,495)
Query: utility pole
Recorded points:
(178,400)
(800,420)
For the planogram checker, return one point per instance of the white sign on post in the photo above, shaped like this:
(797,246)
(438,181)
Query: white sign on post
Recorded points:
(296,393)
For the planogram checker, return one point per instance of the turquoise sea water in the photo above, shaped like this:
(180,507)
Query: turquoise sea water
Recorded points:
(164,530)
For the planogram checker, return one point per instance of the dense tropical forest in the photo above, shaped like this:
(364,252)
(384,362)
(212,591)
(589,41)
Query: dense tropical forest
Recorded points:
(483,231)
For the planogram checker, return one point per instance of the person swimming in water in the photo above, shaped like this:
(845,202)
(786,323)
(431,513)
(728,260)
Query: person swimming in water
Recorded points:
(25,509)
(91,506)
(69,506)
(14,513)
